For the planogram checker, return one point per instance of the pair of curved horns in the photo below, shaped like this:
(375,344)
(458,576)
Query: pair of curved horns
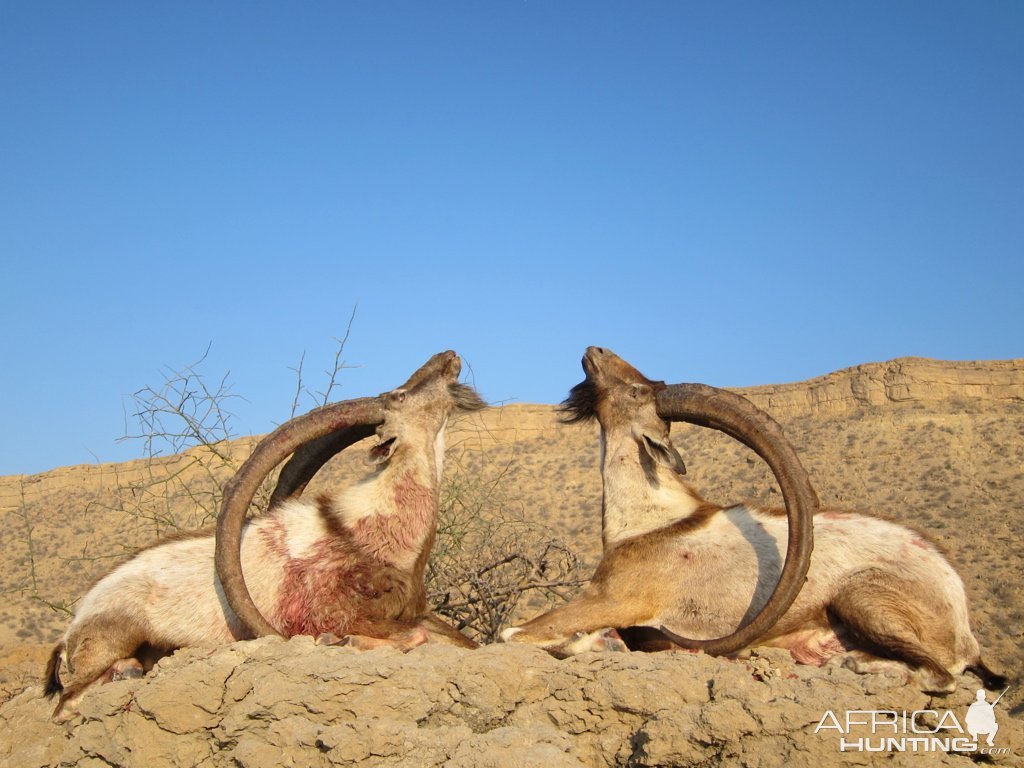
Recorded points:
(311,440)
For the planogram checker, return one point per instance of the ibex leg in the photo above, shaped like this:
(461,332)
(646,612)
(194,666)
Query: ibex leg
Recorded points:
(573,622)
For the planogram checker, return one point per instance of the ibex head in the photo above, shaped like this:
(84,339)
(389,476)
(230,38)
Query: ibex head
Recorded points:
(623,400)
(418,410)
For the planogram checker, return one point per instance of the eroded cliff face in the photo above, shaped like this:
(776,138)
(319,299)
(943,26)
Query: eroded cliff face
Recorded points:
(908,379)
(270,703)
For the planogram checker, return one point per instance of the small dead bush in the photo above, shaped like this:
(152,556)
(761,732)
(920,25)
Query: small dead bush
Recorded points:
(488,562)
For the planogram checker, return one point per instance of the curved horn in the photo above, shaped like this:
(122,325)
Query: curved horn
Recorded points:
(311,457)
(313,439)
(349,419)
(742,420)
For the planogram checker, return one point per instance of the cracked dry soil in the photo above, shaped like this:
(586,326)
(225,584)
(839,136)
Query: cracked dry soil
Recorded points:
(269,703)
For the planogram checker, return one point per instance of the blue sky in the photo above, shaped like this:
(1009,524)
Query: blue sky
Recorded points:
(733,193)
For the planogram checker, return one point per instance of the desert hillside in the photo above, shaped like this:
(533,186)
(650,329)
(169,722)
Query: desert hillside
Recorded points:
(937,445)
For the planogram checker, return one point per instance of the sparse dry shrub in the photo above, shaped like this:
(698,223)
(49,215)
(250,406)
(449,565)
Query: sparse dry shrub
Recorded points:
(488,561)
(30,584)
(190,448)
(184,426)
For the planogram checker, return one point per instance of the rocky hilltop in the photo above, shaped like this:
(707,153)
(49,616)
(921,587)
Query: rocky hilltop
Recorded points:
(936,445)
(909,379)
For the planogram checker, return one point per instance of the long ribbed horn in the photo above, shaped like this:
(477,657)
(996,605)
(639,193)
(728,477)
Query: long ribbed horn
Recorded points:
(313,439)
(311,457)
(348,419)
(742,420)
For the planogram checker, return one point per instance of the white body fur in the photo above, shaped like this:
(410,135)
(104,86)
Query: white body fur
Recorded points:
(173,587)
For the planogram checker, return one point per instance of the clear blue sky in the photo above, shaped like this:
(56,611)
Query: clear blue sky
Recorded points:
(734,193)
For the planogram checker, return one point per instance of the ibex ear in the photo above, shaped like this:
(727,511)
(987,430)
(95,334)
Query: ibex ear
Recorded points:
(382,451)
(661,451)
(395,397)
(640,391)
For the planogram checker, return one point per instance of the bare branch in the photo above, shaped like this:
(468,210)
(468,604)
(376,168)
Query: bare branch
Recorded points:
(339,364)
(298,385)
(487,561)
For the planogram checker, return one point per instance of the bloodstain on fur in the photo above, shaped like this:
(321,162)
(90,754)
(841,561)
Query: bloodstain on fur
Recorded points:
(356,573)
(817,650)
(394,538)
(273,536)
(834,515)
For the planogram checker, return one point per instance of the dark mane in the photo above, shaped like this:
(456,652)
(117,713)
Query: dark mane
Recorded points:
(465,397)
(581,404)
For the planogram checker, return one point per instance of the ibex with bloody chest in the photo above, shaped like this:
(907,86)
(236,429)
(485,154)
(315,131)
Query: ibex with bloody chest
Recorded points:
(350,564)
(875,591)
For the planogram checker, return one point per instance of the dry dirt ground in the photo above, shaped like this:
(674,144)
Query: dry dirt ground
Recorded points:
(936,445)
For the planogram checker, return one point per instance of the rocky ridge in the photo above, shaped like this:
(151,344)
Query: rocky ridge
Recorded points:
(270,703)
(908,379)
(937,445)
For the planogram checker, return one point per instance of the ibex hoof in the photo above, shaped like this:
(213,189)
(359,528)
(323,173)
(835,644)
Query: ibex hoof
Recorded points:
(609,640)
(125,669)
(329,638)
(603,640)
(508,633)
(403,641)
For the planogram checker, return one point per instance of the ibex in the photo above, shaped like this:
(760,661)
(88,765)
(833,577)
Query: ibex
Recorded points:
(875,591)
(348,564)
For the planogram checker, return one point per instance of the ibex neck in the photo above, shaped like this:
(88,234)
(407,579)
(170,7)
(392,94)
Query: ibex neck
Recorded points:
(422,456)
(393,513)
(637,501)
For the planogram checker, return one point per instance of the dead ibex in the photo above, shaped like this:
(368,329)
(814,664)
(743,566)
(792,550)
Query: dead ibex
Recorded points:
(875,591)
(349,564)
